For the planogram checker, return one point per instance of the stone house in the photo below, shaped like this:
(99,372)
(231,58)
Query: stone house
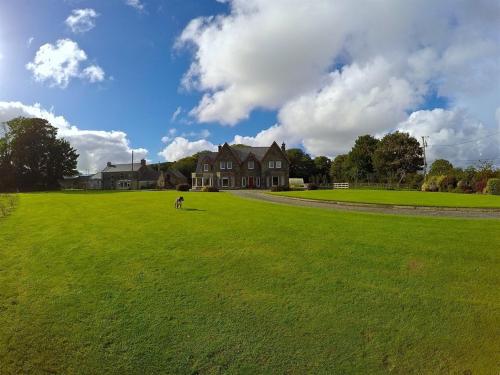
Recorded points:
(133,176)
(242,167)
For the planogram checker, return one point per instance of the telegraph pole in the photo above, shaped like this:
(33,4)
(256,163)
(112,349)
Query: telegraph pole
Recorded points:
(424,145)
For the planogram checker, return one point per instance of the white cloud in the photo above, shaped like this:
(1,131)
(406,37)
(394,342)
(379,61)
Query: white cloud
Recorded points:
(96,147)
(454,135)
(30,41)
(93,73)
(137,4)
(60,63)
(176,114)
(326,121)
(181,147)
(81,20)
(285,55)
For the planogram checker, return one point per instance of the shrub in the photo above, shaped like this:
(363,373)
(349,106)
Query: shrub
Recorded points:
(493,186)
(432,183)
(312,186)
(182,187)
(479,186)
(447,183)
(210,189)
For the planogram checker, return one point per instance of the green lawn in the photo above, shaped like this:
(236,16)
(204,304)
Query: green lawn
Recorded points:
(405,198)
(121,283)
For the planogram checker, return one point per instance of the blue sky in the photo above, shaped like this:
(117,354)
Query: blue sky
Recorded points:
(143,72)
(314,74)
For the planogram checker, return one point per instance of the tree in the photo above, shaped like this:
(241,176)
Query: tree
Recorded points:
(397,155)
(301,164)
(32,156)
(361,158)
(337,168)
(440,167)
(187,165)
(322,166)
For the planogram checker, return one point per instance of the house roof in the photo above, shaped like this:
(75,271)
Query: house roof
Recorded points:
(175,172)
(244,151)
(97,176)
(129,167)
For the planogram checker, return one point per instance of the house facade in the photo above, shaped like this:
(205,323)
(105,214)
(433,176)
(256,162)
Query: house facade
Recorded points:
(134,176)
(131,176)
(242,167)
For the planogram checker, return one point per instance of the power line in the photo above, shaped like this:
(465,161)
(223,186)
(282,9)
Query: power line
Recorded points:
(465,142)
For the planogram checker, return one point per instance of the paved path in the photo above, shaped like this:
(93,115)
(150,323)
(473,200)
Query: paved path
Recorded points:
(374,208)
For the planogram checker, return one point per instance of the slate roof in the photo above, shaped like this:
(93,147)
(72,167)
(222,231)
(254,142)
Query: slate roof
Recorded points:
(244,151)
(123,167)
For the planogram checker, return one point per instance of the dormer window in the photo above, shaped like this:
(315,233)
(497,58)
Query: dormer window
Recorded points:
(251,164)
(278,163)
(229,165)
(271,164)
(222,165)
(205,167)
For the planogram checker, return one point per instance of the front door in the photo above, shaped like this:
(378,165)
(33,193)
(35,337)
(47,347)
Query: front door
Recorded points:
(250,182)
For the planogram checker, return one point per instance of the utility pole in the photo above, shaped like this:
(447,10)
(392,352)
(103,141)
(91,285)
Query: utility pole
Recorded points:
(424,145)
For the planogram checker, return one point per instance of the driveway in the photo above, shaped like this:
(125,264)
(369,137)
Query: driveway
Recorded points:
(374,208)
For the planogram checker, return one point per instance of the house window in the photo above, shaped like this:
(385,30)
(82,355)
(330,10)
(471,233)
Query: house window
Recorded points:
(229,165)
(222,165)
(205,167)
(251,164)
(271,163)
(244,182)
(225,182)
(257,181)
(278,163)
(275,180)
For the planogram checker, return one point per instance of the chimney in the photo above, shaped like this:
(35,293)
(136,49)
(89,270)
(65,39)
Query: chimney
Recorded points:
(220,148)
(143,162)
(109,164)
(283,147)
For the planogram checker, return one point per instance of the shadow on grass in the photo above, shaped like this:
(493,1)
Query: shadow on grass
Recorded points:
(191,209)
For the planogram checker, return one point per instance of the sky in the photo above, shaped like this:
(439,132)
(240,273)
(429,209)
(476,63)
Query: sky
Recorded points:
(168,78)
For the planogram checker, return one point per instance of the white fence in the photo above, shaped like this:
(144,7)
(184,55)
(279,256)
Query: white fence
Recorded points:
(341,185)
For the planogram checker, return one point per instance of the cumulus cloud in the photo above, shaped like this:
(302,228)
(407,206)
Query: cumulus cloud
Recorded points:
(93,73)
(59,63)
(96,147)
(338,69)
(81,20)
(454,135)
(137,4)
(181,147)
(326,120)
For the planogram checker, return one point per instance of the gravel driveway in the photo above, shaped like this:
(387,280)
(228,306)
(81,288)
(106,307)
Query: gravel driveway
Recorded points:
(479,213)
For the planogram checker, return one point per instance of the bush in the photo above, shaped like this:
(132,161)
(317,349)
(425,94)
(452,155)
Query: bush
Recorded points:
(311,186)
(493,186)
(432,183)
(479,186)
(182,187)
(210,189)
(448,183)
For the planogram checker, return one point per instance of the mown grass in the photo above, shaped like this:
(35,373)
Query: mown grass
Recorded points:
(405,198)
(123,283)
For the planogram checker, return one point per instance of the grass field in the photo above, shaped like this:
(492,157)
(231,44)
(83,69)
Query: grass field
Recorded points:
(121,283)
(405,198)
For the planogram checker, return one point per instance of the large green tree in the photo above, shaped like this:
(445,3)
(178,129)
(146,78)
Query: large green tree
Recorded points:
(301,164)
(360,157)
(32,157)
(338,168)
(322,165)
(397,155)
(440,167)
